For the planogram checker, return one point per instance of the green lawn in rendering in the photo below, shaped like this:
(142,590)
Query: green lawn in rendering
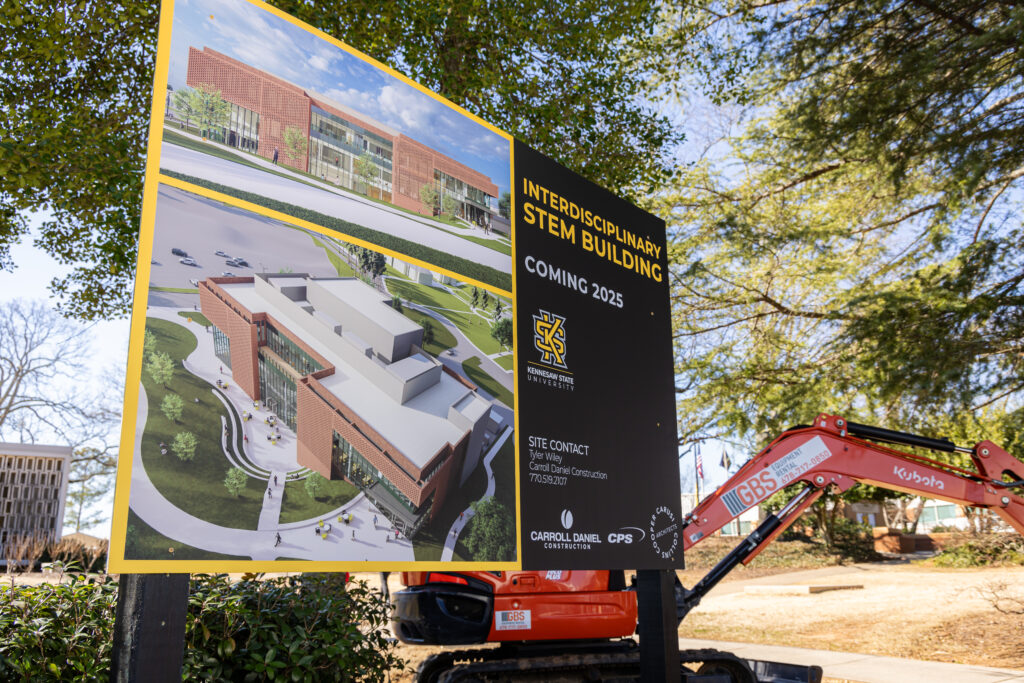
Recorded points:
(195,486)
(297,506)
(505,361)
(344,269)
(472,369)
(476,329)
(196,316)
(174,290)
(443,338)
(426,295)
(143,542)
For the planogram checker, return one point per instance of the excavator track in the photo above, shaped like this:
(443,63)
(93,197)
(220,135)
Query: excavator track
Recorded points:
(616,662)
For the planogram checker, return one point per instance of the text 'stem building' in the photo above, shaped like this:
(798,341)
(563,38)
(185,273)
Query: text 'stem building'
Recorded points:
(263,107)
(341,367)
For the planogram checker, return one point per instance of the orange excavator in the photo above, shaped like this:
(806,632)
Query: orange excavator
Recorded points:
(578,625)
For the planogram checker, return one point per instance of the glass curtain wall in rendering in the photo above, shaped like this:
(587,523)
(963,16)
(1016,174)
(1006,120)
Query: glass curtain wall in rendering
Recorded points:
(337,145)
(472,202)
(221,346)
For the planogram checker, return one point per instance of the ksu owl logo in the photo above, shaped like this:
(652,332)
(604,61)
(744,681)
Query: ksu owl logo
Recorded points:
(549,338)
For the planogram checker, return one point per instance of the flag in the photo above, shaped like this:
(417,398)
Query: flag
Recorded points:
(700,464)
(726,462)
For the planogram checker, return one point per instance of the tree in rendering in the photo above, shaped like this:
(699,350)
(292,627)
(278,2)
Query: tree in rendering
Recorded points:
(428,332)
(501,332)
(160,367)
(505,204)
(428,195)
(366,170)
(295,143)
(396,303)
(485,300)
(492,532)
(449,205)
(235,481)
(185,105)
(212,110)
(184,445)
(498,308)
(476,296)
(172,406)
(315,485)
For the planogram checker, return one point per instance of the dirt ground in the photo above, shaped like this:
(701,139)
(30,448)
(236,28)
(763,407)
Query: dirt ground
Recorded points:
(904,610)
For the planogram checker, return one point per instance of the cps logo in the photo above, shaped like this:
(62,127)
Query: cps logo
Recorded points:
(626,535)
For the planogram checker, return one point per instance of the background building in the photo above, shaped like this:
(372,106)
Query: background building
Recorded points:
(346,371)
(33,488)
(343,146)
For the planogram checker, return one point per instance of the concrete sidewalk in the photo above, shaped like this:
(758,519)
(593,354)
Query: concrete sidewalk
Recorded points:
(851,666)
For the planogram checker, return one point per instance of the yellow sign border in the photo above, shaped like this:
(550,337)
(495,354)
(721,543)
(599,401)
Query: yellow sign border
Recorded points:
(117,563)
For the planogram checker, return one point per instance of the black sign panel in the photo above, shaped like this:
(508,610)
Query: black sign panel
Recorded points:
(599,473)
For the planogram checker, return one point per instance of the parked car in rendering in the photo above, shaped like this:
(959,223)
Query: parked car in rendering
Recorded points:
(188,261)
(228,273)
(233,262)
(241,261)
(178,252)
(221,253)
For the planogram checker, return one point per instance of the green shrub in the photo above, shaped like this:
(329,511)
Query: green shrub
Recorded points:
(982,550)
(300,628)
(57,632)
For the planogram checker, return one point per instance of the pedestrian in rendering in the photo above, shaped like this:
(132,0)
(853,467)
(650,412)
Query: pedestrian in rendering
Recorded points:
(270,494)
(375,521)
(275,155)
(353,534)
(221,369)
(277,540)
(245,437)
(275,480)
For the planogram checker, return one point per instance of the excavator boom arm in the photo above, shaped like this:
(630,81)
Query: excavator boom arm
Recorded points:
(833,452)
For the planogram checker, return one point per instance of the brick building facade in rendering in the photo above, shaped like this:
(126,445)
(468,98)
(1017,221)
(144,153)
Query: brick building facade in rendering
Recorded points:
(340,140)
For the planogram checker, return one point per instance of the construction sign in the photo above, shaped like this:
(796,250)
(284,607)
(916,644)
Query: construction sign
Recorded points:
(373,332)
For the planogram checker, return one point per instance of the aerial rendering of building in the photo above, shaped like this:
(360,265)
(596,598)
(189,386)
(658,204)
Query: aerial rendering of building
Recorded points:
(33,487)
(344,146)
(346,371)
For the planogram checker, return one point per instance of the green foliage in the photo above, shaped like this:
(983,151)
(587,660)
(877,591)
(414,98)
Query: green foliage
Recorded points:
(206,105)
(492,533)
(428,195)
(58,632)
(184,445)
(172,406)
(366,170)
(295,143)
(502,332)
(428,332)
(396,303)
(315,484)
(298,628)
(470,269)
(235,481)
(373,263)
(505,204)
(148,343)
(562,80)
(160,367)
(865,217)
(982,551)
(449,205)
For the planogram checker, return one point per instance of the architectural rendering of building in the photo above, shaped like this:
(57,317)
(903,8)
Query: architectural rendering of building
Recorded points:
(33,488)
(343,146)
(336,363)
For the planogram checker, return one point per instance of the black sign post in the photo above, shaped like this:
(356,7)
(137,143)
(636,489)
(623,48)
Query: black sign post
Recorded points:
(149,629)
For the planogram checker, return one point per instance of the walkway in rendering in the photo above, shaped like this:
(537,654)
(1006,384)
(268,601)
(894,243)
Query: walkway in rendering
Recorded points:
(358,540)
(327,202)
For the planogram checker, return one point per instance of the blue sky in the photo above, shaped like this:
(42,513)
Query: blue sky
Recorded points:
(261,39)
